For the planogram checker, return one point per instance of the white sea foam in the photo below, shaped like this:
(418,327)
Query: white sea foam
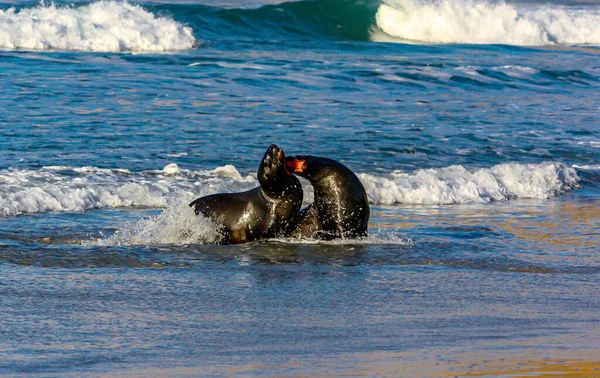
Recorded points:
(103,26)
(591,143)
(458,185)
(77,189)
(378,237)
(587,167)
(486,22)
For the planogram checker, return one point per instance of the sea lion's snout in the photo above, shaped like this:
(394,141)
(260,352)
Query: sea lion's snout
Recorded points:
(295,165)
(276,152)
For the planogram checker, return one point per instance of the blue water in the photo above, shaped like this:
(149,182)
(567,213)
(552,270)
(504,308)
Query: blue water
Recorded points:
(481,162)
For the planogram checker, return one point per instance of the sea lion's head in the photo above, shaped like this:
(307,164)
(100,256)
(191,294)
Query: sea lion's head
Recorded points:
(272,174)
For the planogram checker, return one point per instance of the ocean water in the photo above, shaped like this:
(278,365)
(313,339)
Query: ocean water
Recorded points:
(473,125)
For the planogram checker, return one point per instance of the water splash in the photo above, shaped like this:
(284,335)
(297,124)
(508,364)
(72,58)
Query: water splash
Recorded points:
(177,224)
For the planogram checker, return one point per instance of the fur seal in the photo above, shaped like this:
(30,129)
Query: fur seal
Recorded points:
(262,212)
(341,206)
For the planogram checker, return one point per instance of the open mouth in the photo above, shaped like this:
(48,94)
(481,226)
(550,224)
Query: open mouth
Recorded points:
(294,165)
(281,160)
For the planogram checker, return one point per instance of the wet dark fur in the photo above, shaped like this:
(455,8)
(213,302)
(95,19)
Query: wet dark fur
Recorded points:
(341,208)
(262,212)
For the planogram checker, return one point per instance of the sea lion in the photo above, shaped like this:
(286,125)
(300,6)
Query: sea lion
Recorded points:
(340,208)
(262,212)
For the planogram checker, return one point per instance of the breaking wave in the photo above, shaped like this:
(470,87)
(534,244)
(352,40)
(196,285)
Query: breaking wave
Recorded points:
(111,26)
(62,189)
(485,22)
(103,26)
(78,189)
(458,185)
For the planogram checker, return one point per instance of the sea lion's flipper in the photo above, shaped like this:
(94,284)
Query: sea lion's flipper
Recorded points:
(306,223)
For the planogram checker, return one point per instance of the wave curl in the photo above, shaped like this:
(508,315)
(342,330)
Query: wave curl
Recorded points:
(484,22)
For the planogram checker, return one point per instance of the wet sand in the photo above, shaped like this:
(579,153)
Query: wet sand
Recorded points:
(528,368)
(390,364)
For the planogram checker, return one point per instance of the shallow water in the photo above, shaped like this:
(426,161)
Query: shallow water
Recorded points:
(481,162)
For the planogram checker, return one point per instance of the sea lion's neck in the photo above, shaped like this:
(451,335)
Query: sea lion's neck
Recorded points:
(330,184)
(280,188)
(328,192)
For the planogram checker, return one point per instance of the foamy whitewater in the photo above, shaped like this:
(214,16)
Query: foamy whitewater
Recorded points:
(79,189)
(483,22)
(103,26)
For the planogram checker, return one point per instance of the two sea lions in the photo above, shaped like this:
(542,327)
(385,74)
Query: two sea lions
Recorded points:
(340,208)
(262,212)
